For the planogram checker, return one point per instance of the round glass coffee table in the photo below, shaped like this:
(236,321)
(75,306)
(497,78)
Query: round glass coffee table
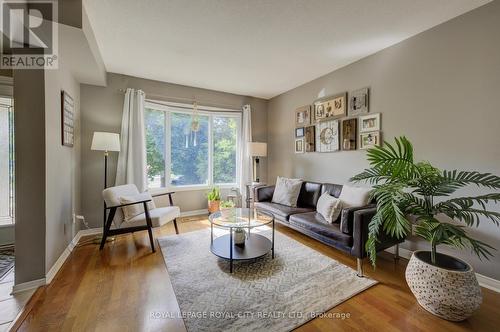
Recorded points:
(240,243)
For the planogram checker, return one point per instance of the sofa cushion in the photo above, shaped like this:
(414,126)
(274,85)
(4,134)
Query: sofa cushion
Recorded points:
(280,211)
(354,196)
(309,194)
(315,222)
(333,189)
(287,191)
(329,207)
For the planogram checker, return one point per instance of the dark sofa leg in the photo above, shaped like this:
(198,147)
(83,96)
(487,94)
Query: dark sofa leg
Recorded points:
(396,252)
(359,262)
(175,225)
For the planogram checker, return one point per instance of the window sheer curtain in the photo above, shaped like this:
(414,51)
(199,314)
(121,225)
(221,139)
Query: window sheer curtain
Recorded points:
(132,167)
(244,156)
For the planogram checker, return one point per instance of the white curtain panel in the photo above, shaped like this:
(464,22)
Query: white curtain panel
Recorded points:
(132,158)
(244,158)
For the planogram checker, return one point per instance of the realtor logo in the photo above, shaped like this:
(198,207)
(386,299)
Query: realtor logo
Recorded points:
(29,34)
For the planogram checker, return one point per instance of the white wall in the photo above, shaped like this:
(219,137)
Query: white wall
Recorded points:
(438,88)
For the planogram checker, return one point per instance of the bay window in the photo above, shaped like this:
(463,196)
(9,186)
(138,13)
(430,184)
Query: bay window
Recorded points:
(186,150)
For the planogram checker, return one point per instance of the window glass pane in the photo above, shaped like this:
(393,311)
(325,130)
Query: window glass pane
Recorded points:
(224,138)
(189,150)
(155,147)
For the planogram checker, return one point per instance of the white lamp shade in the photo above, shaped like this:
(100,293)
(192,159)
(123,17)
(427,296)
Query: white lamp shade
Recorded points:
(257,149)
(105,141)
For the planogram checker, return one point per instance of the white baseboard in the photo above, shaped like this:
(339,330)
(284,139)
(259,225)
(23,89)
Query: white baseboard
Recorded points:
(484,281)
(28,285)
(194,213)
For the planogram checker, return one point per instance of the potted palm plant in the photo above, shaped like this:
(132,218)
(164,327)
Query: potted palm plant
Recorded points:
(213,197)
(443,285)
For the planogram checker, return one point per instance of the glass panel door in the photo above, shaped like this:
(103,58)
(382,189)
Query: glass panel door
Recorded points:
(6,161)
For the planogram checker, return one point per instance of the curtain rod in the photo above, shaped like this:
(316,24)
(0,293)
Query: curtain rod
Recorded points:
(201,103)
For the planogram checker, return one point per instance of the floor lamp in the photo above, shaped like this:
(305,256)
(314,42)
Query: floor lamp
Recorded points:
(107,142)
(256,150)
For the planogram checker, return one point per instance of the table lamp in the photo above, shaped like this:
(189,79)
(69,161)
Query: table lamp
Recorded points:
(256,150)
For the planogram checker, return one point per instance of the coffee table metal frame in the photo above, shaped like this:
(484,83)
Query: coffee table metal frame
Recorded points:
(255,246)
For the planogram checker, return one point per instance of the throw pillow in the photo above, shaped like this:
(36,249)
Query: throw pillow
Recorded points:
(130,211)
(329,207)
(354,196)
(287,191)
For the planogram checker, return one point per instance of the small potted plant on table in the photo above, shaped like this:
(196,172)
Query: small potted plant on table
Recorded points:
(213,197)
(443,285)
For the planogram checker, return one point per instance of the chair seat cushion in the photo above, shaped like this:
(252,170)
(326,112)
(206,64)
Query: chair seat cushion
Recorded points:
(159,217)
(315,222)
(280,211)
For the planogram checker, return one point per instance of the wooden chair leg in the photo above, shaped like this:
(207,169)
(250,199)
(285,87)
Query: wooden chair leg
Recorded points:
(150,227)
(175,225)
(107,226)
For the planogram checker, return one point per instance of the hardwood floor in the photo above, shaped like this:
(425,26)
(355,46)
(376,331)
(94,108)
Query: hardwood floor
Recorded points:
(119,289)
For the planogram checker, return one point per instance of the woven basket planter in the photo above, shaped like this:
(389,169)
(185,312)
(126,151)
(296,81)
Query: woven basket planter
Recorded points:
(450,292)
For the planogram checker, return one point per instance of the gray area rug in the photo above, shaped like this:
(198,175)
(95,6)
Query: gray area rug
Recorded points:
(6,260)
(277,294)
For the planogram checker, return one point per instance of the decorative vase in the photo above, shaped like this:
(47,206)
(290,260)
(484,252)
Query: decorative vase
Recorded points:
(239,237)
(449,290)
(213,206)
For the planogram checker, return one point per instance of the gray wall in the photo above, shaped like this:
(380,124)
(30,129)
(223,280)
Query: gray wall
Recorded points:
(29,126)
(437,88)
(62,164)
(101,110)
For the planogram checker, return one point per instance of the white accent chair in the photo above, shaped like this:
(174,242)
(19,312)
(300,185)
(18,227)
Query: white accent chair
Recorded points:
(145,221)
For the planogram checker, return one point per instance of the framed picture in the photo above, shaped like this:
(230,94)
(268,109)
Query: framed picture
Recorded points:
(368,140)
(67,119)
(299,132)
(349,134)
(331,108)
(369,123)
(358,102)
(303,116)
(310,139)
(327,136)
(299,145)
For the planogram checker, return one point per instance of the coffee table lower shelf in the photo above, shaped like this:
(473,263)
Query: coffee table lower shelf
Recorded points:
(255,246)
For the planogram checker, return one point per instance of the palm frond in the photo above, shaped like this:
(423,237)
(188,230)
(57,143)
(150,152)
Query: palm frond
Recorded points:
(373,231)
(395,161)
(463,178)
(461,208)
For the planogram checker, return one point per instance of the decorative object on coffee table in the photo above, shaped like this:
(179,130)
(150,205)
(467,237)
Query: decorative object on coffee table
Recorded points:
(240,222)
(213,197)
(349,134)
(327,136)
(443,285)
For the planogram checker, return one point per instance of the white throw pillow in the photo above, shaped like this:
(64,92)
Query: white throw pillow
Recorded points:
(130,211)
(287,191)
(354,196)
(329,207)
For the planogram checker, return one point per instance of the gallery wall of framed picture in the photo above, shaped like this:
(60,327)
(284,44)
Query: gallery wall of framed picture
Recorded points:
(340,122)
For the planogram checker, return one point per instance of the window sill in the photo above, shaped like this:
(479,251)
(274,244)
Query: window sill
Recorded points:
(155,191)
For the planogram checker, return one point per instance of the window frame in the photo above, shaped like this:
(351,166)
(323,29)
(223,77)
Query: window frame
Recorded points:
(211,112)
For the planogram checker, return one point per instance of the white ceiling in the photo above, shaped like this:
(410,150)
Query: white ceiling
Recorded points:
(255,47)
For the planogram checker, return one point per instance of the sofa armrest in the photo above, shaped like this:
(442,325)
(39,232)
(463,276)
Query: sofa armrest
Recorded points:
(263,194)
(362,219)
(347,217)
